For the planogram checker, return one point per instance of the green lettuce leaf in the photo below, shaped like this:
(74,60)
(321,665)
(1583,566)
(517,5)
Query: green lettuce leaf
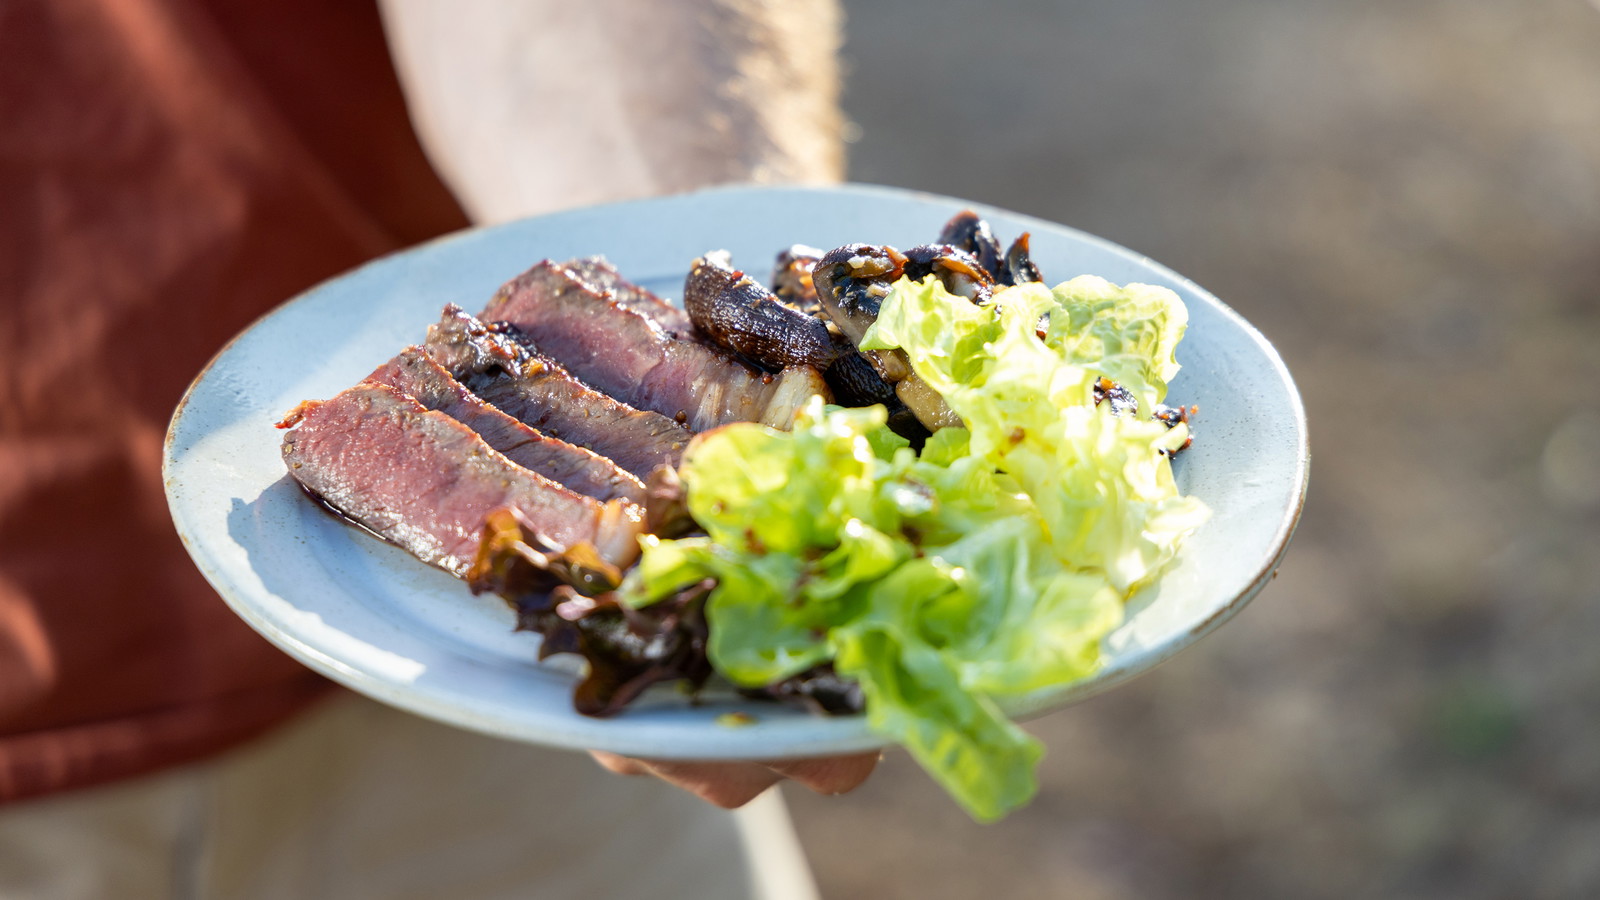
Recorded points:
(987,567)
(1129,333)
(1095,478)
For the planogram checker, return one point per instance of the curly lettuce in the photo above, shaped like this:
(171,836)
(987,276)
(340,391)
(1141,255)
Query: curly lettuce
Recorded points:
(990,565)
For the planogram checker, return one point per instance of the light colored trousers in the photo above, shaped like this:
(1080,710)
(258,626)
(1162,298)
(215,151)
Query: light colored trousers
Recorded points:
(357,801)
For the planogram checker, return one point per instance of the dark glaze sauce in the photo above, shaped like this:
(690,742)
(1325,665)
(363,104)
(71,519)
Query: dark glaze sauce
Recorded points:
(339,514)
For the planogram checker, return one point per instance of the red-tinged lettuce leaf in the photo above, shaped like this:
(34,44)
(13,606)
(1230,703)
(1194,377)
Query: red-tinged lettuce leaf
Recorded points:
(565,596)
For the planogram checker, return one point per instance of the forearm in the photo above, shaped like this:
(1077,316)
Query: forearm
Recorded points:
(526,107)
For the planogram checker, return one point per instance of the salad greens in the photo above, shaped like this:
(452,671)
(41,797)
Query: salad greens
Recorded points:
(988,566)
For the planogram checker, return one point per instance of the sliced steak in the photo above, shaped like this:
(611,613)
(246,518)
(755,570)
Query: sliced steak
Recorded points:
(632,358)
(426,482)
(415,373)
(600,274)
(465,345)
(540,393)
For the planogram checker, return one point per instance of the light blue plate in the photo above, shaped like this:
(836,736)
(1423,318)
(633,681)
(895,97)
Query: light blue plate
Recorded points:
(373,618)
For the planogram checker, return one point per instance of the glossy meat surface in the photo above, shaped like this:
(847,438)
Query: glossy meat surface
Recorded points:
(601,275)
(633,359)
(417,375)
(426,482)
(541,393)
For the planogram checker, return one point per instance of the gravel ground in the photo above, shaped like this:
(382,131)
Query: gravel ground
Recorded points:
(1405,197)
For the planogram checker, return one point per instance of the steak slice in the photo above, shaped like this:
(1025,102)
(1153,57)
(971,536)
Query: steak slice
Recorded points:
(598,273)
(540,393)
(426,482)
(632,358)
(415,373)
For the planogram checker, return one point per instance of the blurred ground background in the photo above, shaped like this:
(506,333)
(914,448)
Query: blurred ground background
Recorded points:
(1405,197)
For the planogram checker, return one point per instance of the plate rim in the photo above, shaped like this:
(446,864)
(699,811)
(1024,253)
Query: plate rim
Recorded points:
(834,734)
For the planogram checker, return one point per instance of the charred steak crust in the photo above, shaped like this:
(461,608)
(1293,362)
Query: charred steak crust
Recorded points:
(632,358)
(539,392)
(416,374)
(603,277)
(425,482)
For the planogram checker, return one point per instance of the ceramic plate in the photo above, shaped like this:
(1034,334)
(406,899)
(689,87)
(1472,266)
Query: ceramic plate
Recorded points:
(369,616)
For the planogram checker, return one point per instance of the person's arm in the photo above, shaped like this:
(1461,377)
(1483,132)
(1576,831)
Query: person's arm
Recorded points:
(537,105)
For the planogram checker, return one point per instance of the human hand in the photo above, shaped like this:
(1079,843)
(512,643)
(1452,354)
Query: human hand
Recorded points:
(731,785)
